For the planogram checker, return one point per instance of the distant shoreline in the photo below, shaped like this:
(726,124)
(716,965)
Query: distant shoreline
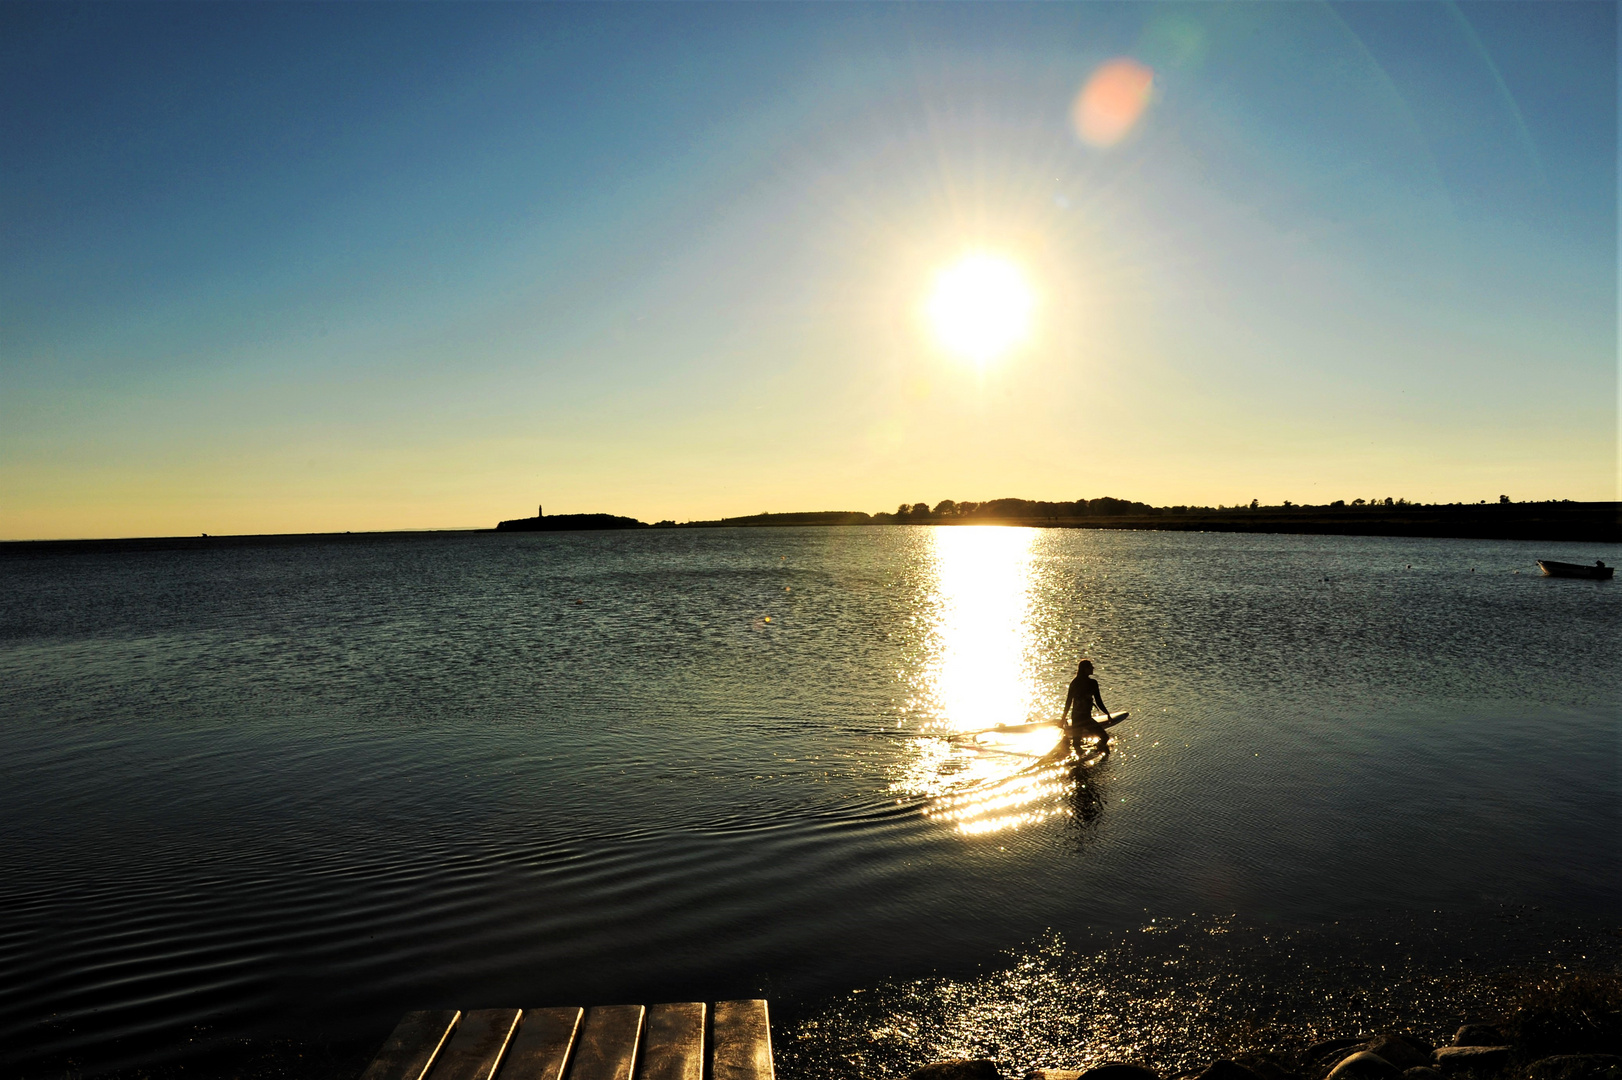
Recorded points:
(1575,522)
(1564,522)
(1553,521)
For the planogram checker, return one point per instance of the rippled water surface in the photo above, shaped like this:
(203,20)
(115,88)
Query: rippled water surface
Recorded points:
(287,789)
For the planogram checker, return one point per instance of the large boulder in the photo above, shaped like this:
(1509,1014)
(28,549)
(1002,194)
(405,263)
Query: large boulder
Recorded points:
(1118,1071)
(1478,1058)
(1402,1052)
(1364,1066)
(1319,1051)
(1576,1067)
(1479,1035)
(958,1069)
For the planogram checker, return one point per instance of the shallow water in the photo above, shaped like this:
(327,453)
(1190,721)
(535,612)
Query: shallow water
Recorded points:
(257,789)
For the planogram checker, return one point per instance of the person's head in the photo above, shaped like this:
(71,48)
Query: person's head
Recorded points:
(1084,668)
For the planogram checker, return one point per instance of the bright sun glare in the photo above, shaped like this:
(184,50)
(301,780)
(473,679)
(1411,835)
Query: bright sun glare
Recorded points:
(980,307)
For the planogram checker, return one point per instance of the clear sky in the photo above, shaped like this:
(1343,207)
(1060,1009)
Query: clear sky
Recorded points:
(272,268)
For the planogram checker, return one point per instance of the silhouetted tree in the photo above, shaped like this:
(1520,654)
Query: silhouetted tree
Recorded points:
(945,508)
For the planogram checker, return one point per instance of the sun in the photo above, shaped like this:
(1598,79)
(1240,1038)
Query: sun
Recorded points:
(980,307)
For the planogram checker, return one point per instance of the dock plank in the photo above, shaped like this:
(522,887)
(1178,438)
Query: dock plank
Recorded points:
(606,1047)
(540,1050)
(475,1050)
(673,1042)
(413,1046)
(742,1041)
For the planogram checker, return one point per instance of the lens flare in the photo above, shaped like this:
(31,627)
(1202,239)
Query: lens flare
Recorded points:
(1112,101)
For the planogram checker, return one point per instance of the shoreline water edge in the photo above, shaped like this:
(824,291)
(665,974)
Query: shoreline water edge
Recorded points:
(1519,995)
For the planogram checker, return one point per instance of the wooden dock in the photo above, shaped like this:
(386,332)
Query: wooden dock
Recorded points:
(680,1041)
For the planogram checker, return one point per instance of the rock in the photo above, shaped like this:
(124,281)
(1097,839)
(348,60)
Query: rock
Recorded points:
(1401,1052)
(1228,1070)
(958,1069)
(1479,1035)
(1421,1072)
(1365,1066)
(1330,1046)
(1053,1074)
(1458,1058)
(1576,1067)
(1119,1071)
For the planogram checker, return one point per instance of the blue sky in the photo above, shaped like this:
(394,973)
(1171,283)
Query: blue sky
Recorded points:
(287,268)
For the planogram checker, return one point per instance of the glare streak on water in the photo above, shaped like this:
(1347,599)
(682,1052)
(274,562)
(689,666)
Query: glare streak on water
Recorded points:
(306,785)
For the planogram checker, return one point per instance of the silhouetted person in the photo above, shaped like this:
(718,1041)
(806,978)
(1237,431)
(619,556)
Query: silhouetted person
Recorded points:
(1078,707)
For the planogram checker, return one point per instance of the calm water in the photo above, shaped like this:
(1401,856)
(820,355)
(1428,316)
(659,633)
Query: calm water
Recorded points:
(288,790)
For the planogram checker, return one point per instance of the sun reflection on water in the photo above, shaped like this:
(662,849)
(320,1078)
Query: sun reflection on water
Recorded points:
(991,756)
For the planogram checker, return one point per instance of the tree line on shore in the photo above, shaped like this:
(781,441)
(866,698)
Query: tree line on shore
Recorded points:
(950,510)
(1552,519)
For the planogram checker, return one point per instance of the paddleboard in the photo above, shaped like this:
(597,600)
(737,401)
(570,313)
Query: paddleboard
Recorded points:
(1014,729)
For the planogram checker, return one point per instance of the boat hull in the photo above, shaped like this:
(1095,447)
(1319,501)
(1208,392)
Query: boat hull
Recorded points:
(1551,568)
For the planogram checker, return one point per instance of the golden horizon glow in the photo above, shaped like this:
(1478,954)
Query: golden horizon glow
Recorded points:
(980,307)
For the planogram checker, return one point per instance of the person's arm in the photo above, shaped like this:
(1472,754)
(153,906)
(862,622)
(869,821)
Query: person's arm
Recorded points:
(1099,697)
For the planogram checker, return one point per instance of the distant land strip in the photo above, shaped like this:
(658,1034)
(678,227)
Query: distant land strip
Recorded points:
(1581,522)
(1586,522)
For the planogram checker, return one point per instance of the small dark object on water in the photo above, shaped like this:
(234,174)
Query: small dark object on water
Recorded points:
(1598,572)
